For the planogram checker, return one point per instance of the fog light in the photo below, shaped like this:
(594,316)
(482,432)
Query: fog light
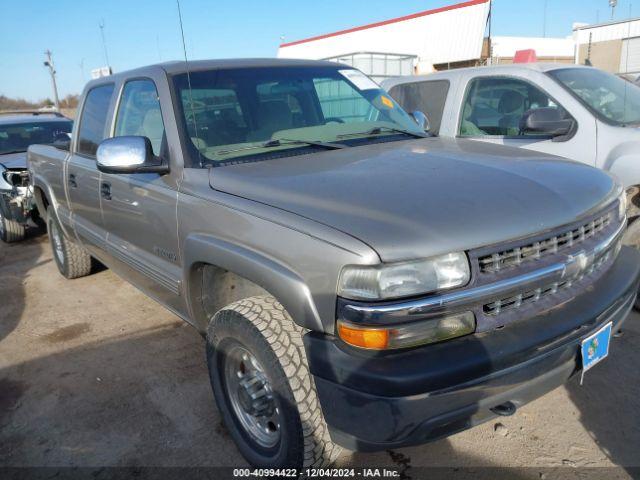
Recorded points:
(409,335)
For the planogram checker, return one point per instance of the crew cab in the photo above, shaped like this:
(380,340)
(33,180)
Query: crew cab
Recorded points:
(573,111)
(18,130)
(359,284)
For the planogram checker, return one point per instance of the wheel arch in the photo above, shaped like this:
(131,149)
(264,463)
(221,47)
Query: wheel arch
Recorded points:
(218,273)
(42,202)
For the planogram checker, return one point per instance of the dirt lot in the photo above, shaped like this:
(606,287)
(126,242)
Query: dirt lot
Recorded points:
(92,373)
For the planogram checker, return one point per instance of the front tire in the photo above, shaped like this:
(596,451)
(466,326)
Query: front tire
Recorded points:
(10,230)
(261,381)
(72,260)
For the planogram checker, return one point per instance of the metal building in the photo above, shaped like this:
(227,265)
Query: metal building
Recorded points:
(611,46)
(437,39)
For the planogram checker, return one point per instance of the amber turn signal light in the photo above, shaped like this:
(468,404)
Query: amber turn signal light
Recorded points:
(369,338)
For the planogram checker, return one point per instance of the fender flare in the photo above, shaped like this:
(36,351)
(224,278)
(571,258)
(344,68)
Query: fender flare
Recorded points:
(624,163)
(277,279)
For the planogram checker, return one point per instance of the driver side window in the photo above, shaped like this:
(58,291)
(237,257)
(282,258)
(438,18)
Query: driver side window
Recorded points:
(139,113)
(496,106)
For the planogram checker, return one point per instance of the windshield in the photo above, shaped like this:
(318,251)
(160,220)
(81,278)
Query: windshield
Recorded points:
(18,136)
(231,115)
(609,97)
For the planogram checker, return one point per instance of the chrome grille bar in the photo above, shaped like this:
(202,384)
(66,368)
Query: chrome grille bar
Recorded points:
(499,261)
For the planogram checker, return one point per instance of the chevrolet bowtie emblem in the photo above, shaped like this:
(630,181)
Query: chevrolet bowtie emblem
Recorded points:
(577,264)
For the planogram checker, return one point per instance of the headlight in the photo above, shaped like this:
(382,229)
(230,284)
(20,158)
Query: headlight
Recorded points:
(409,335)
(622,205)
(396,280)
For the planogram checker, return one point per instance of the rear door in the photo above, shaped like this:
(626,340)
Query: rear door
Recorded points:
(428,97)
(139,209)
(82,176)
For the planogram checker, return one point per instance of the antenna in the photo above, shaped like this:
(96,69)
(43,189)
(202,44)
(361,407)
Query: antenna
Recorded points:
(104,44)
(186,64)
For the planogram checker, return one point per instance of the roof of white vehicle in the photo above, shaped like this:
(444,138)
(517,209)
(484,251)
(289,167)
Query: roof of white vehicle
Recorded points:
(508,68)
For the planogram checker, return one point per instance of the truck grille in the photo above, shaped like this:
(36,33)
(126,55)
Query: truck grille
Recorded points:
(531,296)
(499,261)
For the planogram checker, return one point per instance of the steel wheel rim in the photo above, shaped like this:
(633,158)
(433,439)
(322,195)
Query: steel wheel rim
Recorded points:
(57,243)
(251,397)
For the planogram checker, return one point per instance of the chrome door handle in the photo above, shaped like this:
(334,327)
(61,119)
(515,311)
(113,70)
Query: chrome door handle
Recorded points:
(72,180)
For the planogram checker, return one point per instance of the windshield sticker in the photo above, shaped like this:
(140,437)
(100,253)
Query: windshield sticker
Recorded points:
(386,101)
(359,79)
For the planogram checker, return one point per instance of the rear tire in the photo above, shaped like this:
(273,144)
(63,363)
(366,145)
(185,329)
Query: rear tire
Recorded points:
(259,332)
(72,260)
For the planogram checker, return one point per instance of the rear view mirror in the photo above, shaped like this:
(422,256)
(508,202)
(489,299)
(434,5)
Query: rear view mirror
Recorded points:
(547,121)
(422,120)
(62,141)
(129,154)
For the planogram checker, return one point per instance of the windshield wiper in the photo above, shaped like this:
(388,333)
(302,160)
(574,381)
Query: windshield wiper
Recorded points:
(12,151)
(283,143)
(380,130)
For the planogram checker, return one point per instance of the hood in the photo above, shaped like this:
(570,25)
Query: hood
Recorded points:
(14,160)
(418,198)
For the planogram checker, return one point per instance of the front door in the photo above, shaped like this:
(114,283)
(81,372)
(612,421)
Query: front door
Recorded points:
(82,176)
(139,209)
(494,106)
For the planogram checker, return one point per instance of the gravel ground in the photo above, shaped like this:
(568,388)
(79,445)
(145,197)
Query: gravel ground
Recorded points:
(93,373)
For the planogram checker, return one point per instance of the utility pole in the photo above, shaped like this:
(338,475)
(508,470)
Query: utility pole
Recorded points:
(490,59)
(52,71)
(613,4)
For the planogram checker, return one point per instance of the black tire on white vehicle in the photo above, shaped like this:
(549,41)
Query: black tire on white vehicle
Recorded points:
(72,260)
(263,388)
(10,230)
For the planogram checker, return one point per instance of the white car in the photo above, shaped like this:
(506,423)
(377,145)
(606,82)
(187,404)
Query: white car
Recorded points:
(572,111)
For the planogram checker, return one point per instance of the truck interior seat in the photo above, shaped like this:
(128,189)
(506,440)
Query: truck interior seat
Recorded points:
(273,116)
(511,107)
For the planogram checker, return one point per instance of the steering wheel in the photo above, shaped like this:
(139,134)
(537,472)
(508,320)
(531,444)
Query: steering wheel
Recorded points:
(333,119)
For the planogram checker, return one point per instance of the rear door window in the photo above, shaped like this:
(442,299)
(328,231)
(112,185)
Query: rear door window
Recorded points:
(428,97)
(94,119)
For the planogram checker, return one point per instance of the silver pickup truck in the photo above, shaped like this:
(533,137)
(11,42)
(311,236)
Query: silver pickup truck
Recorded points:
(358,283)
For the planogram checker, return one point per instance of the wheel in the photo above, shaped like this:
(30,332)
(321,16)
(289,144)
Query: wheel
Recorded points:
(263,387)
(631,238)
(10,230)
(72,260)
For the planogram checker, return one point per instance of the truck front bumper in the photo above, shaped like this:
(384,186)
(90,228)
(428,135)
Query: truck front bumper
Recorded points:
(379,401)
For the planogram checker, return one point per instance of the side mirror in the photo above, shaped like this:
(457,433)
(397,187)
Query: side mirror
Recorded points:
(129,155)
(62,141)
(422,120)
(547,121)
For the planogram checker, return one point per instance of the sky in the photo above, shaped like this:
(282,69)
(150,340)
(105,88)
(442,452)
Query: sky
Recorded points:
(143,32)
